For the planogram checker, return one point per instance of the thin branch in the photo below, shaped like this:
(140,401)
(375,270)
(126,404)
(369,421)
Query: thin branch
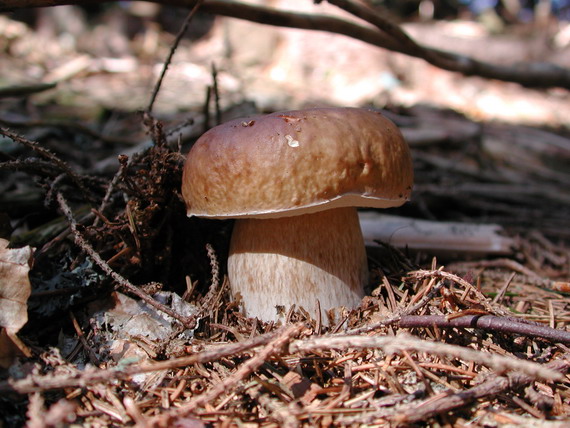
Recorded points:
(32,165)
(530,74)
(123,163)
(442,275)
(486,322)
(536,75)
(392,30)
(445,403)
(216,92)
(275,347)
(395,319)
(70,126)
(90,376)
(214,287)
(397,344)
(90,352)
(46,154)
(181,33)
(188,322)
(214,265)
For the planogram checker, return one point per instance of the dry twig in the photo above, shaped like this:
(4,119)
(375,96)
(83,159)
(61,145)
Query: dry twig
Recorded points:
(188,322)
(71,126)
(45,153)
(488,323)
(91,376)
(396,344)
(442,275)
(433,292)
(181,33)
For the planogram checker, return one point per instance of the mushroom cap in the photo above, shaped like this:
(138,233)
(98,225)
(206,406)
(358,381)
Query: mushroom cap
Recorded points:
(297,162)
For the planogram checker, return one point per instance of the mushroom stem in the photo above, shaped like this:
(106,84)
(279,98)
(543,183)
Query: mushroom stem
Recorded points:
(275,263)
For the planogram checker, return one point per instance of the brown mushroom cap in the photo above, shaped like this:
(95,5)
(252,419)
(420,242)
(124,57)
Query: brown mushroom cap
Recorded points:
(296,162)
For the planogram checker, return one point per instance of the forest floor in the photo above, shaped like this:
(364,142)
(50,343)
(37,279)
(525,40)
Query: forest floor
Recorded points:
(465,326)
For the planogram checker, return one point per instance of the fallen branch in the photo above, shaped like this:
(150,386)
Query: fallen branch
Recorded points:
(435,237)
(405,342)
(34,383)
(488,323)
(385,25)
(387,36)
(395,319)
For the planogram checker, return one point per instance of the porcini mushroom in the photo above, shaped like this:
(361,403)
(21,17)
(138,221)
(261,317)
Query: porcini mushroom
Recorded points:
(293,181)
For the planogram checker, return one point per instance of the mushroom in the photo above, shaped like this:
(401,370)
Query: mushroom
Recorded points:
(293,181)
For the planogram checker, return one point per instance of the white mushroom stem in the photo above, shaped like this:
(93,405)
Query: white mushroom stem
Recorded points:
(276,263)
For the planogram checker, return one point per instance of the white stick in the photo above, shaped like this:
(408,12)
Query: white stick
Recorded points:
(434,237)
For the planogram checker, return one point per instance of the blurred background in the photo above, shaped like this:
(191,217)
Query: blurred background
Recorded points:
(109,56)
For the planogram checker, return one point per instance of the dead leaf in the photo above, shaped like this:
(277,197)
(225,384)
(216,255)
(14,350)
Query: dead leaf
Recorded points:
(14,286)
(15,290)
